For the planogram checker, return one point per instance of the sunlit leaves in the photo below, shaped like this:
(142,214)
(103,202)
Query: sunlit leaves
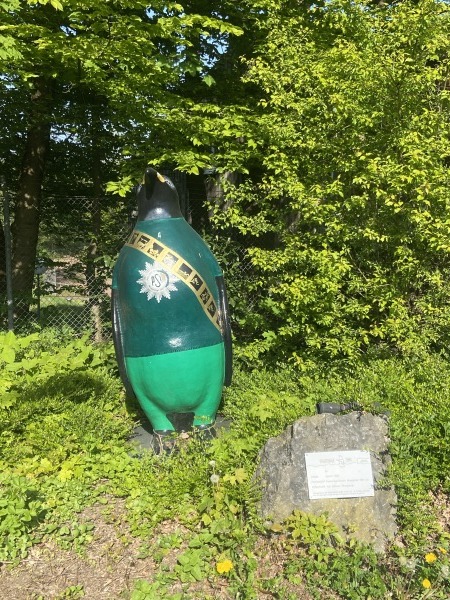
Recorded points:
(55,3)
(353,147)
(121,188)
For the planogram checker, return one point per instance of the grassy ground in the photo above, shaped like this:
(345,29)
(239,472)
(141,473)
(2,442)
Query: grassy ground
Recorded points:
(84,514)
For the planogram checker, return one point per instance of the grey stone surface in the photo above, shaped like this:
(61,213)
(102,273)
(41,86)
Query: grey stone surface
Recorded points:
(282,474)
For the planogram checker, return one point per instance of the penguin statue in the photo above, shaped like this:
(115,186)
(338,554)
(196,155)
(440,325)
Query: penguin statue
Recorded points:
(171,325)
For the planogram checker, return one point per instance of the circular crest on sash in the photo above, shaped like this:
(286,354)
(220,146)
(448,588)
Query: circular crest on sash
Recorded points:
(156,282)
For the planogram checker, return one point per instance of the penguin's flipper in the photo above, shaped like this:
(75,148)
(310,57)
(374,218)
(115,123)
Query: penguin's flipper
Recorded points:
(226,329)
(118,345)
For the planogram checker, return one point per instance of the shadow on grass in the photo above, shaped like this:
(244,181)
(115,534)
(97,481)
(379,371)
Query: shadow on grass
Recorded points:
(55,395)
(74,387)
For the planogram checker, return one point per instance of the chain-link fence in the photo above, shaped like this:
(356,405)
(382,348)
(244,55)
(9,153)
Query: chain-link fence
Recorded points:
(79,239)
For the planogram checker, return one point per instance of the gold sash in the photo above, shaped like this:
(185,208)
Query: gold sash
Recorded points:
(176,265)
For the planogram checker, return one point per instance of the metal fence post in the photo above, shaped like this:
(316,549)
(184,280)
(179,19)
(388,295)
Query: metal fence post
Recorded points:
(8,261)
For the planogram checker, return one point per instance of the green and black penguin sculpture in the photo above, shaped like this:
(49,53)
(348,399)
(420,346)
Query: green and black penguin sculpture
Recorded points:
(170,316)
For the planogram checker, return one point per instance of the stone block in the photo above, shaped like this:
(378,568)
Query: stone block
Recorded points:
(283,476)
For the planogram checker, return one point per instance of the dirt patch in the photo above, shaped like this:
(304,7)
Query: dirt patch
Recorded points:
(114,560)
(441,504)
(110,564)
(272,556)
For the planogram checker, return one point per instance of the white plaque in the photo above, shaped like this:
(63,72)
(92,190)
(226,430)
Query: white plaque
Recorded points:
(339,474)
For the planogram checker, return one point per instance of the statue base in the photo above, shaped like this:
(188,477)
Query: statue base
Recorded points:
(144,438)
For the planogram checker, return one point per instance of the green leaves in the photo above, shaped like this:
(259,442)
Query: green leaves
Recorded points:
(55,3)
(8,48)
(121,188)
(352,182)
(23,361)
(191,565)
(21,509)
(238,477)
(209,80)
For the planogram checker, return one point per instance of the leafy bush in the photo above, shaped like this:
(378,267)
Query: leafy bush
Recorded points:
(60,410)
(345,197)
(32,359)
(21,510)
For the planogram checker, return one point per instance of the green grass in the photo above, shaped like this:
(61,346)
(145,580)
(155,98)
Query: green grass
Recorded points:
(63,436)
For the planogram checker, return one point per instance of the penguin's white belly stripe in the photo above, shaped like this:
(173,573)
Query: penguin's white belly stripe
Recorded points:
(179,270)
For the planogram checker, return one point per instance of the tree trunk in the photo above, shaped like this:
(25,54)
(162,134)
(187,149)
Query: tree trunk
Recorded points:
(26,214)
(2,262)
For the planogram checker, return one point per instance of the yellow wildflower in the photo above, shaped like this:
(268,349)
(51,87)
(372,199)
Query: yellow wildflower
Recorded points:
(426,583)
(442,550)
(224,566)
(430,557)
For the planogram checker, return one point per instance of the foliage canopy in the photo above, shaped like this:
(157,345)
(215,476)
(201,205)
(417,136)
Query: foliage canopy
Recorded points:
(333,117)
(347,199)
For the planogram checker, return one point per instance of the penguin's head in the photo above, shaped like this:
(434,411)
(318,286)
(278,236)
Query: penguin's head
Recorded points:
(157,197)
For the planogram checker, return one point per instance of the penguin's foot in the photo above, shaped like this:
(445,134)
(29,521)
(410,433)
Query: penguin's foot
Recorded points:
(164,442)
(168,441)
(205,433)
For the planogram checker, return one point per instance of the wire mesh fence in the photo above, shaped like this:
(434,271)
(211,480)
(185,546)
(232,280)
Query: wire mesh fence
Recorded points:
(79,240)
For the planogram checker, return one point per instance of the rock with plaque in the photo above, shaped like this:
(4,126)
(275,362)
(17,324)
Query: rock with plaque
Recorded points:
(332,464)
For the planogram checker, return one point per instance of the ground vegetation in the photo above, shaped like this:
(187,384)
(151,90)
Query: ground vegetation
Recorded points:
(86,512)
